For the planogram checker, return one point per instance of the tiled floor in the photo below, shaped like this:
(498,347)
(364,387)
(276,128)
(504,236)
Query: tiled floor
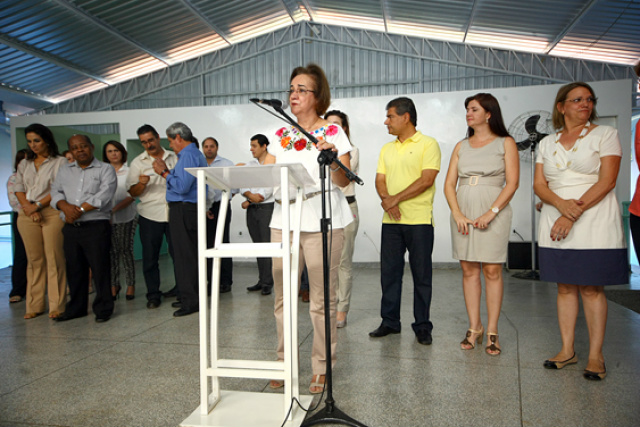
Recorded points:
(141,368)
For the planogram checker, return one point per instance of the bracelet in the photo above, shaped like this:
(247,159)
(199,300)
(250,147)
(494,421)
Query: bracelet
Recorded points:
(335,170)
(166,171)
(39,205)
(82,210)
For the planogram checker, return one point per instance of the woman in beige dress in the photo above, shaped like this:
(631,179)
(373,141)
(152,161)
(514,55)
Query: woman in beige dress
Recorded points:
(486,168)
(40,225)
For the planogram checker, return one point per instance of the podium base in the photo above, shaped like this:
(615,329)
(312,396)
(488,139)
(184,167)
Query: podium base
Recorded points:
(247,409)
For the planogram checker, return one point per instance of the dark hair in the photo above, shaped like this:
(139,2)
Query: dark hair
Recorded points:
(343,118)
(404,105)
(490,104)
(557,117)
(261,139)
(215,141)
(119,146)
(47,136)
(85,137)
(322,91)
(195,141)
(20,156)
(146,129)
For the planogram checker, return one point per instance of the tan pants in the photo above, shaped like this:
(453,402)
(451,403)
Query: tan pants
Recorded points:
(46,262)
(345,276)
(311,254)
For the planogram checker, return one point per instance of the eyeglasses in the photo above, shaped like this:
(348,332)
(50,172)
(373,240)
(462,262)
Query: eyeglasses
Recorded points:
(590,100)
(300,91)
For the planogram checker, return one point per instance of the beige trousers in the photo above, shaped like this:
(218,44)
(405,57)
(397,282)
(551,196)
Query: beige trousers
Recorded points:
(311,255)
(46,263)
(345,276)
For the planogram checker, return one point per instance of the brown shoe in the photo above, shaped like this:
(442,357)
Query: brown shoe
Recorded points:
(305,296)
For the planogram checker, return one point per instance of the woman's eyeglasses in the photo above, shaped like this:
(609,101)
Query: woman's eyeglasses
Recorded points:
(590,100)
(300,91)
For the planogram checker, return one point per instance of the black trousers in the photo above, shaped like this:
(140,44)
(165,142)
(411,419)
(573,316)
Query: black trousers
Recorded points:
(19,268)
(226,264)
(87,245)
(258,219)
(183,222)
(151,235)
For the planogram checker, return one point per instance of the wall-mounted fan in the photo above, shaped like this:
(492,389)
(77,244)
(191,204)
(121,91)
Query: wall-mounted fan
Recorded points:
(528,129)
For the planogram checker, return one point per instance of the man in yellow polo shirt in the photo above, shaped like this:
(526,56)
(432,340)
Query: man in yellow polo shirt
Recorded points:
(405,181)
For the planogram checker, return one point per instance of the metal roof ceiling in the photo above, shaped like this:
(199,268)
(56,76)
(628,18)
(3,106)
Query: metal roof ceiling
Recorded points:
(52,50)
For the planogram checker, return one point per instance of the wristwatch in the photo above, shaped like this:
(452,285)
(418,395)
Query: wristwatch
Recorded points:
(495,209)
(82,210)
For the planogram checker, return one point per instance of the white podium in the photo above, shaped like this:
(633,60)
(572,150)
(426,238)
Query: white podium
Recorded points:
(233,408)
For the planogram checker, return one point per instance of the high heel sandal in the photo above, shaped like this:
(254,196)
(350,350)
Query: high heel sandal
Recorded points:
(116,294)
(132,295)
(317,386)
(559,364)
(472,343)
(492,349)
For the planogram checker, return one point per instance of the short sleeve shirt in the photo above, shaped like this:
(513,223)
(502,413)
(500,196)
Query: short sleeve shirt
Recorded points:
(402,164)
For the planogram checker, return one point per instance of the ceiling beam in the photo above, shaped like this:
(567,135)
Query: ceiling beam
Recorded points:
(289,11)
(18,45)
(25,93)
(310,12)
(570,26)
(385,18)
(77,10)
(207,21)
(472,17)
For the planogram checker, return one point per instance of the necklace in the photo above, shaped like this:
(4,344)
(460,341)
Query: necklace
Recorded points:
(572,151)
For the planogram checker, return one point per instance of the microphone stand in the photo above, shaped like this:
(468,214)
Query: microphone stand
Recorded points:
(330,414)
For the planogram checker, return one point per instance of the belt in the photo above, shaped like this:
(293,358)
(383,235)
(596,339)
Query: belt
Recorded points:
(305,197)
(351,199)
(181,203)
(496,181)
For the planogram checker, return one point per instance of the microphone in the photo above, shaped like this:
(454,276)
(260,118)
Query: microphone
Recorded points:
(275,103)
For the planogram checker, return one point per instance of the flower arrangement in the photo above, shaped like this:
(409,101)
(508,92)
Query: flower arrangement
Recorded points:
(292,138)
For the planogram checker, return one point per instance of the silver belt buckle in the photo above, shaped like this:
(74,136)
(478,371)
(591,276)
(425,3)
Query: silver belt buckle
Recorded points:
(473,180)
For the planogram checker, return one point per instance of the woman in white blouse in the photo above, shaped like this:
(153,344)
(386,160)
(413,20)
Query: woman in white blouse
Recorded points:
(40,225)
(124,220)
(309,97)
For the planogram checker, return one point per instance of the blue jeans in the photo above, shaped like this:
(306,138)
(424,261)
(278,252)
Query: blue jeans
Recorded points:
(151,234)
(396,240)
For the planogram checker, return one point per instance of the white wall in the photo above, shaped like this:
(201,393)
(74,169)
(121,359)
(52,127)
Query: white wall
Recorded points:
(440,115)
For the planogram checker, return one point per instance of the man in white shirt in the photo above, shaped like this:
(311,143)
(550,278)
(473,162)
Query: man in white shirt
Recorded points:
(210,150)
(259,206)
(153,210)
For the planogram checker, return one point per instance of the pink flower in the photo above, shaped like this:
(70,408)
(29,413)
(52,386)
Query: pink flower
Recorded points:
(280,132)
(332,130)
(300,144)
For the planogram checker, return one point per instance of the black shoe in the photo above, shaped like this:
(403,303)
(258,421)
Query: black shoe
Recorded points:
(225,288)
(256,287)
(173,292)
(383,331)
(176,304)
(64,317)
(424,337)
(153,303)
(266,290)
(102,319)
(183,312)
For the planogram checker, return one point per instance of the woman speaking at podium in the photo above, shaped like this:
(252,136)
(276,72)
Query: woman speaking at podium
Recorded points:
(309,97)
